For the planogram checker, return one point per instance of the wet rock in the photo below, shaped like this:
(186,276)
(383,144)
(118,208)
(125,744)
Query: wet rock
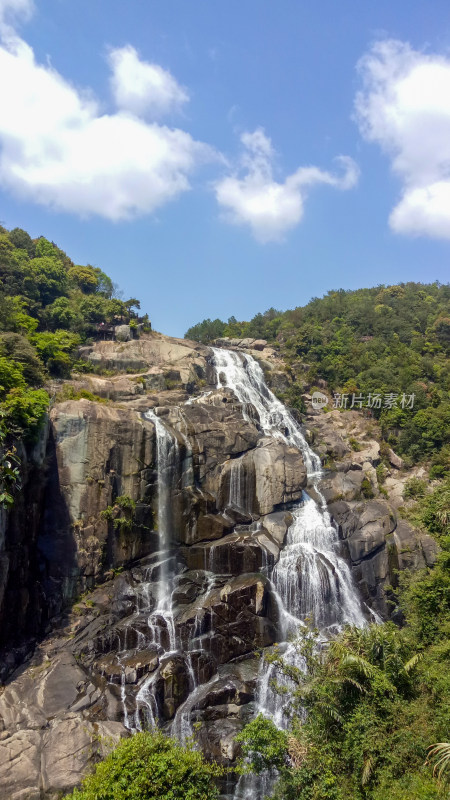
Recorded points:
(212,526)
(217,431)
(234,554)
(173,686)
(99,453)
(379,546)
(268,476)
(277,525)
(234,619)
(132,666)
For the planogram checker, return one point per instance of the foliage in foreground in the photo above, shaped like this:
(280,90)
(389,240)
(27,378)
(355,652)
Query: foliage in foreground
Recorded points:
(150,766)
(377,700)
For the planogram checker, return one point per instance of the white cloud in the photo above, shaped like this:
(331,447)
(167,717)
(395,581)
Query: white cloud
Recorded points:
(268,207)
(58,149)
(10,9)
(139,86)
(404,106)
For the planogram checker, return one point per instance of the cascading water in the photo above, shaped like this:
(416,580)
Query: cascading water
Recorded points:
(170,471)
(160,621)
(311,579)
(325,591)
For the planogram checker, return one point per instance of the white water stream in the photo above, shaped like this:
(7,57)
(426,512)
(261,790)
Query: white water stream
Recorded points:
(160,620)
(311,579)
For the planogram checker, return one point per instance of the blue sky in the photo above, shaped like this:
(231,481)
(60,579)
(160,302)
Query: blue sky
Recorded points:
(282,169)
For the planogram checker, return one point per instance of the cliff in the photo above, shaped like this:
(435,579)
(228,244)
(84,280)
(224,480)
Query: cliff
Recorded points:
(83,567)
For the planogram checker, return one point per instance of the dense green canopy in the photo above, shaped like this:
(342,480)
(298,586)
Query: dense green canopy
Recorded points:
(48,307)
(389,339)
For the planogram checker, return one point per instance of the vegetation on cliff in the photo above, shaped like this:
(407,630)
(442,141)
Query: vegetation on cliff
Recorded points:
(384,340)
(48,307)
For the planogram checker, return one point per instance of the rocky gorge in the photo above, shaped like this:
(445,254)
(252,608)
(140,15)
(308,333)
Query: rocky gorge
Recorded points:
(137,569)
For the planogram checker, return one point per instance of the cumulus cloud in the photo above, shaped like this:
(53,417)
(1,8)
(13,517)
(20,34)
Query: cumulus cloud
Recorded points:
(404,106)
(58,149)
(268,207)
(139,86)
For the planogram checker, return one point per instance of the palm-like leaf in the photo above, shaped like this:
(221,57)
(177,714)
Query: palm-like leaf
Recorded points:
(330,711)
(367,771)
(439,754)
(360,663)
(412,663)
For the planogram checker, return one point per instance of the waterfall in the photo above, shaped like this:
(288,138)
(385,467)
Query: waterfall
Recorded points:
(311,580)
(171,472)
(160,621)
(311,577)
(168,459)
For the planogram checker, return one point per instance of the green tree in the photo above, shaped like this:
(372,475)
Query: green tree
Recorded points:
(85,278)
(17,347)
(24,411)
(9,470)
(206,331)
(49,277)
(11,375)
(22,241)
(150,766)
(56,349)
(63,313)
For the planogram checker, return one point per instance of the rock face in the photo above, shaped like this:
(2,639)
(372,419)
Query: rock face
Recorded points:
(82,562)
(229,507)
(46,743)
(379,546)
(22,611)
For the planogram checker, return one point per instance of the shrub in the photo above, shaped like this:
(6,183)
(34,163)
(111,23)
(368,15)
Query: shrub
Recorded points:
(56,349)
(18,348)
(24,411)
(366,489)
(150,766)
(11,375)
(9,471)
(68,392)
(414,487)
(121,514)
(263,744)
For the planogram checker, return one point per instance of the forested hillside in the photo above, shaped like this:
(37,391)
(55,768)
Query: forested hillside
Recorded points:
(48,307)
(377,699)
(386,340)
